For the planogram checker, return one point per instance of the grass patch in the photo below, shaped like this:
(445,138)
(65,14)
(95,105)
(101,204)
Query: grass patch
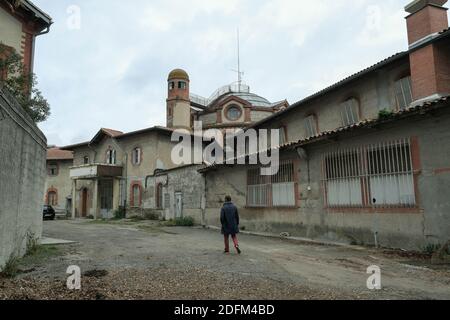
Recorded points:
(40,254)
(11,268)
(34,256)
(180,222)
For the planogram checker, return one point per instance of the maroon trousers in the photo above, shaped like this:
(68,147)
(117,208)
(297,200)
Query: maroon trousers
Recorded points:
(227,241)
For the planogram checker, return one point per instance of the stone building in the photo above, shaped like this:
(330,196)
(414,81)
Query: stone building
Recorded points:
(125,170)
(367,159)
(22,145)
(58,190)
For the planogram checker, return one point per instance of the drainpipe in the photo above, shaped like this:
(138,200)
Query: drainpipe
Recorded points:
(125,174)
(375,228)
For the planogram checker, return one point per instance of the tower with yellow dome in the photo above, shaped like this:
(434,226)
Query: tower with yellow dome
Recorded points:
(178,101)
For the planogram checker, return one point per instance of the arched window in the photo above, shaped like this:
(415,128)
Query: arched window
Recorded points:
(52,198)
(136,155)
(350,112)
(111,156)
(86,160)
(159,196)
(136,195)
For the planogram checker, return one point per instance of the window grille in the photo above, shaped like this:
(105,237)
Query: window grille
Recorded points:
(403,93)
(272,191)
(378,175)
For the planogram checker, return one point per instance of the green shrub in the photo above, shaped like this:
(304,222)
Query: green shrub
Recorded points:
(431,248)
(385,114)
(184,222)
(11,268)
(90,217)
(119,214)
(32,244)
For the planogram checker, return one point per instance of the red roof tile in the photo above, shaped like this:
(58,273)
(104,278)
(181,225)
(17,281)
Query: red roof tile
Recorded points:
(58,154)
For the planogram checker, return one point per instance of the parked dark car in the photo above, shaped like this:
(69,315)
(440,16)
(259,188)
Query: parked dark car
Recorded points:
(49,213)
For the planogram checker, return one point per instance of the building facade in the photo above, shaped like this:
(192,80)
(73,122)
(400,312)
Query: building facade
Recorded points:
(366,159)
(58,190)
(118,171)
(363,161)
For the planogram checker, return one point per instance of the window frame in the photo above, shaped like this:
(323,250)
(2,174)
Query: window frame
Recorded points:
(133,195)
(182,85)
(358,175)
(400,84)
(268,190)
(230,107)
(350,105)
(51,166)
(311,122)
(134,161)
(111,157)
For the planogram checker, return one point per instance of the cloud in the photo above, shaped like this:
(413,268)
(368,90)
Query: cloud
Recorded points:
(113,71)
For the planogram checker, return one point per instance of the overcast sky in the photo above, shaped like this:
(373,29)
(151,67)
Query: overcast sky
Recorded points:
(110,70)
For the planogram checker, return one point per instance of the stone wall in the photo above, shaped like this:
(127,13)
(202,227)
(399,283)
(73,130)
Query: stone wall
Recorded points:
(23,150)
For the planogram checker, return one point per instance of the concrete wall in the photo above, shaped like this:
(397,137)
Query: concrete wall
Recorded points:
(23,151)
(61,183)
(429,223)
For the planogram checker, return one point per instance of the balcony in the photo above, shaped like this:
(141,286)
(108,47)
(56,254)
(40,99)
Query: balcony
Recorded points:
(95,171)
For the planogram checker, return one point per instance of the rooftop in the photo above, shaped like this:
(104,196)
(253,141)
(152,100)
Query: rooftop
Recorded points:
(238,90)
(58,154)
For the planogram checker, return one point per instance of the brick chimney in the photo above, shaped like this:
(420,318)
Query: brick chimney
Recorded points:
(430,60)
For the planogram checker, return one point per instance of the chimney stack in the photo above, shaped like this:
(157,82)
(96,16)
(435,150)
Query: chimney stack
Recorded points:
(429,60)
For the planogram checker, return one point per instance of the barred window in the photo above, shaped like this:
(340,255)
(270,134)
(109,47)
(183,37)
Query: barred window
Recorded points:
(403,92)
(379,175)
(272,191)
(350,112)
(311,126)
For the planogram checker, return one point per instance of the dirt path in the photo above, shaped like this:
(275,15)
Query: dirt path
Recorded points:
(141,260)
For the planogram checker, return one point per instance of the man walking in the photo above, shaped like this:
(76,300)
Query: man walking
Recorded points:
(229,217)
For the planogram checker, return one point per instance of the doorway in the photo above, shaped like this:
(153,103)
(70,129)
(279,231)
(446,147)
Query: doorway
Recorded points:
(178,205)
(84,197)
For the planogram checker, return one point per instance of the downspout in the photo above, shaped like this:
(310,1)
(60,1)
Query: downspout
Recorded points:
(125,176)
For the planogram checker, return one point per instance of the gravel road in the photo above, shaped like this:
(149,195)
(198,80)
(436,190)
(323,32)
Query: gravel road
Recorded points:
(143,260)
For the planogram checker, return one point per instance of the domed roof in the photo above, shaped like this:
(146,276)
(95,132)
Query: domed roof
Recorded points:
(178,74)
(253,99)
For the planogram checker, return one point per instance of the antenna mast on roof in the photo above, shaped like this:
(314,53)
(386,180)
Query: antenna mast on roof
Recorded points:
(239,72)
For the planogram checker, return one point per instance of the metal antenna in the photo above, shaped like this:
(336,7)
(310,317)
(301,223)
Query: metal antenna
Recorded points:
(238,71)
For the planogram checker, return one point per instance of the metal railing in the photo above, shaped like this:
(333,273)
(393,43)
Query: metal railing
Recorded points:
(231,88)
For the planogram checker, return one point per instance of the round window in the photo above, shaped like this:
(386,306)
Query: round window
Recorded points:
(234,113)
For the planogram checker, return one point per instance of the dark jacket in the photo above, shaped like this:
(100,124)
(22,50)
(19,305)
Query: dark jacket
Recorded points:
(229,217)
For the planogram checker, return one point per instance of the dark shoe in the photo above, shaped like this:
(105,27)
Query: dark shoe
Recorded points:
(226,252)
(238,250)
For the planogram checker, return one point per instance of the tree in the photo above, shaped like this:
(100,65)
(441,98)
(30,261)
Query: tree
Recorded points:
(22,84)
